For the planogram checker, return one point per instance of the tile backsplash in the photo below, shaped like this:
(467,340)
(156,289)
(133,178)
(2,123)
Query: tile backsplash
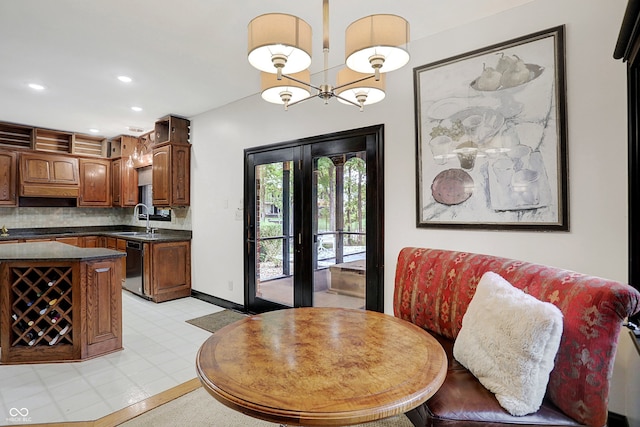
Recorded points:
(28,217)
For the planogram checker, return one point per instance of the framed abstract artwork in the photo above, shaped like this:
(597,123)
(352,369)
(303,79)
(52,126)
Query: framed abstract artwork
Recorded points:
(491,137)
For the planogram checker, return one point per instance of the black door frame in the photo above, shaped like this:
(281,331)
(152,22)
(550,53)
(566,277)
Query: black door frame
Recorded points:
(303,152)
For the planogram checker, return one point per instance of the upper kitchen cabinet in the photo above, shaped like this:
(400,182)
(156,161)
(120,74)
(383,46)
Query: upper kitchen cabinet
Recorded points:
(124,184)
(123,146)
(53,140)
(16,136)
(171,175)
(171,162)
(89,145)
(48,175)
(171,130)
(8,178)
(95,183)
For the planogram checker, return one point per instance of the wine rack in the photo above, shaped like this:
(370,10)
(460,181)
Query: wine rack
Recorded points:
(41,306)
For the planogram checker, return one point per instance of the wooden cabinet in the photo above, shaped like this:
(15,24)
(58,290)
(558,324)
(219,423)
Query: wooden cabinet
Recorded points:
(103,302)
(171,130)
(74,241)
(124,184)
(95,183)
(55,310)
(171,175)
(48,175)
(8,178)
(167,270)
(90,242)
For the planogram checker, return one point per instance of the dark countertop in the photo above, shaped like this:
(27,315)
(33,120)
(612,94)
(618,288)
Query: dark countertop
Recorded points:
(162,235)
(53,251)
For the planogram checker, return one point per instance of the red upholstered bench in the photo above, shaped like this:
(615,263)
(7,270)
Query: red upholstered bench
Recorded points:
(433,289)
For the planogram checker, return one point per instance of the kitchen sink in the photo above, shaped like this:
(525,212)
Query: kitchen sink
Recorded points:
(141,234)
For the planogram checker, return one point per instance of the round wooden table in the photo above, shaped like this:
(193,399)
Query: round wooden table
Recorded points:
(321,366)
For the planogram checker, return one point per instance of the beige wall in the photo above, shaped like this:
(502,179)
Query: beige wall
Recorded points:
(597,241)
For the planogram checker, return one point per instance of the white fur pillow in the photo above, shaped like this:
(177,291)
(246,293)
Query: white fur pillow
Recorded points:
(509,341)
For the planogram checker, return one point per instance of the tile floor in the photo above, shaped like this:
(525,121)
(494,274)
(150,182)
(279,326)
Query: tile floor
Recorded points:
(159,353)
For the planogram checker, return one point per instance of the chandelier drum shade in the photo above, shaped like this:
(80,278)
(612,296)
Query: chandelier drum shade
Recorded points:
(279,43)
(378,42)
(280,47)
(286,90)
(366,92)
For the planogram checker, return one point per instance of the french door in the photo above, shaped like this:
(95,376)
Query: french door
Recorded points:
(314,222)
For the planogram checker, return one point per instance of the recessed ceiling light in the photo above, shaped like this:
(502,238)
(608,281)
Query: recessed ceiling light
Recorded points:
(93,130)
(136,108)
(36,86)
(125,79)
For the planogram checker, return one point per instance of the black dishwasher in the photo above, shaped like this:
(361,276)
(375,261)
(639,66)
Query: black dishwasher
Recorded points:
(135,265)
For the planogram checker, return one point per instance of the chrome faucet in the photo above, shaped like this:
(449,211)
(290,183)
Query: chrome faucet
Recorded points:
(135,215)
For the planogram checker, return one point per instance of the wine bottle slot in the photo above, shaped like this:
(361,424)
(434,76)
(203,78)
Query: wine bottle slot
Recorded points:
(20,323)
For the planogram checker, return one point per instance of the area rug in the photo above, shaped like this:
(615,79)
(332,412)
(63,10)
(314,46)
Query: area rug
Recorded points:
(213,322)
(199,408)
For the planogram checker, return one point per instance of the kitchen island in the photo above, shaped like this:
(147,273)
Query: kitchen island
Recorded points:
(59,302)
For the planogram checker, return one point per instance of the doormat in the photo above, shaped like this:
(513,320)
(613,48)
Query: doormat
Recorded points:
(214,321)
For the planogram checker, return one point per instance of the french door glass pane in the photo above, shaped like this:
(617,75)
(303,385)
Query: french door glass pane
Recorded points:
(340,230)
(274,243)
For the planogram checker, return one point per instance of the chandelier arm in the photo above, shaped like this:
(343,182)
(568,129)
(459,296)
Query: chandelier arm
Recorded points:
(348,101)
(302,100)
(355,81)
(301,82)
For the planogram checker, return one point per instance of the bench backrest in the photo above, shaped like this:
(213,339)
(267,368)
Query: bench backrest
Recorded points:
(434,287)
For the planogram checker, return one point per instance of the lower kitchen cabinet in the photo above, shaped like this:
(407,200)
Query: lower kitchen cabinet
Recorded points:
(75,241)
(56,309)
(103,299)
(90,242)
(167,270)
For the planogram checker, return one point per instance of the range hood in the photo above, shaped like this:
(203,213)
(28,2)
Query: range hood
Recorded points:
(44,175)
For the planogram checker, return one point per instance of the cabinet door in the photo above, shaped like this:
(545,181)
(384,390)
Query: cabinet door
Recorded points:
(129,191)
(171,270)
(161,177)
(180,175)
(8,174)
(103,307)
(95,182)
(124,184)
(90,242)
(116,183)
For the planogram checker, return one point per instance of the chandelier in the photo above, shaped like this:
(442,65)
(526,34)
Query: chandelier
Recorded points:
(280,47)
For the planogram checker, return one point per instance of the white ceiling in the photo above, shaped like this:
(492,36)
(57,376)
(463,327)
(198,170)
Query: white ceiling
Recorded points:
(185,57)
